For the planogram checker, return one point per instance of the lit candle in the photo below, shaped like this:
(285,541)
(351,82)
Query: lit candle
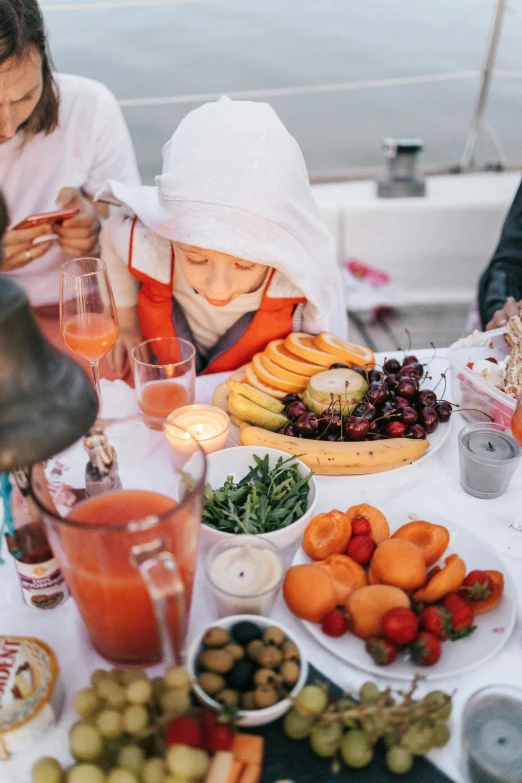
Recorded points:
(488,457)
(206,423)
(246,573)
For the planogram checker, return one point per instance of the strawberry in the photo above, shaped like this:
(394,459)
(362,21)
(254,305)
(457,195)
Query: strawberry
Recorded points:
(383,651)
(335,623)
(183,731)
(436,620)
(361,527)
(426,649)
(400,625)
(477,586)
(361,549)
(470,365)
(461,614)
(218,733)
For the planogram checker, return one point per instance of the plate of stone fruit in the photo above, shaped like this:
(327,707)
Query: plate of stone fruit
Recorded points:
(329,402)
(403,595)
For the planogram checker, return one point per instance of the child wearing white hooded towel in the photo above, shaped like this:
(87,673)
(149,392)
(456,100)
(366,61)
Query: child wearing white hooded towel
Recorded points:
(229,247)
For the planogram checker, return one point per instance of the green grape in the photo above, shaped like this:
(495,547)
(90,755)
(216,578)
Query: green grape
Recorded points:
(116,696)
(312,699)
(435,699)
(106,687)
(325,738)
(158,686)
(297,726)
(175,702)
(441,735)
(117,675)
(356,749)
(120,775)
(132,674)
(418,739)
(85,773)
(177,677)
(85,741)
(399,760)
(110,724)
(97,676)
(186,762)
(86,702)
(175,779)
(139,692)
(135,719)
(46,770)
(153,770)
(131,757)
(369,693)
(392,738)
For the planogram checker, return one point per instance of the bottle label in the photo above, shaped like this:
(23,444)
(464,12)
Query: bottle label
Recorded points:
(43,586)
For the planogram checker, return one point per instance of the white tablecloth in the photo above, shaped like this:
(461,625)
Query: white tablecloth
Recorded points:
(429,489)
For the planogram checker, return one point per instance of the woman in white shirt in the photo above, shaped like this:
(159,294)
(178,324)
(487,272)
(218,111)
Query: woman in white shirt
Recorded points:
(61,138)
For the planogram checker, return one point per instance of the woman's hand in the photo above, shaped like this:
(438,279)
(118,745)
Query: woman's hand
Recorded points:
(78,236)
(18,248)
(501,317)
(120,356)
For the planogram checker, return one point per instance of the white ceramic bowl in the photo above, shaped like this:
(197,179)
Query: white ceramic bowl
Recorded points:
(236,462)
(247,717)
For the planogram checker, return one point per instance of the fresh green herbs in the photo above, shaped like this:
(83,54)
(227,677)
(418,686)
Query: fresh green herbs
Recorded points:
(263,501)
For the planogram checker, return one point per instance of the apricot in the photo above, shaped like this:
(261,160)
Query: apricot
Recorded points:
(309,592)
(399,562)
(347,575)
(431,539)
(372,577)
(378,522)
(367,606)
(327,534)
(447,580)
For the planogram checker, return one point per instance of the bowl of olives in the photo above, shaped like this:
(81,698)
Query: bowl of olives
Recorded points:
(249,663)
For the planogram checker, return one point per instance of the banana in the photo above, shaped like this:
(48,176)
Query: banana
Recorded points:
(340,459)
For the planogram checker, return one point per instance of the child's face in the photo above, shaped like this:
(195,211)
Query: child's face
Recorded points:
(216,276)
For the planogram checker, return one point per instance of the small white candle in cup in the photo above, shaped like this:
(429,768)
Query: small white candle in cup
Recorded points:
(246,573)
(206,423)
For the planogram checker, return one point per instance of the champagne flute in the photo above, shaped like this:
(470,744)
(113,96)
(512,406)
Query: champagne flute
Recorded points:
(88,318)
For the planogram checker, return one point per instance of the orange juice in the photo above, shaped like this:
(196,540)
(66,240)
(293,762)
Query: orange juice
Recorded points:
(90,335)
(159,398)
(110,593)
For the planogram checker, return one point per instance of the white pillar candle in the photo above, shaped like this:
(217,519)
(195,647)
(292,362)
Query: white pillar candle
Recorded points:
(206,423)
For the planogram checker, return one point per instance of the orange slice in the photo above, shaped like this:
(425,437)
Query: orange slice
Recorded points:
(254,381)
(266,376)
(281,372)
(303,345)
(349,353)
(278,354)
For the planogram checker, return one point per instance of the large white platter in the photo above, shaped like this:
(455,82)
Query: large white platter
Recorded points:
(493,628)
(437,366)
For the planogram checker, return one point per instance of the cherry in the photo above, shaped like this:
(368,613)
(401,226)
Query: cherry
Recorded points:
(401,402)
(408,415)
(387,411)
(356,427)
(330,436)
(361,371)
(366,410)
(395,429)
(307,425)
(374,375)
(331,423)
(392,366)
(426,397)
(407,387)
(296,409)
(290,398)
(375,426)
(391,381)
(415,370)
(409,360)
(417,432)
(377,393)
(444,410)
(338,366)
(289,429)
(429,419)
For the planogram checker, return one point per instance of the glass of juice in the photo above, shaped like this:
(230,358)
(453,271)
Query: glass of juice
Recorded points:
(88,318)
(164,375)
(127,539)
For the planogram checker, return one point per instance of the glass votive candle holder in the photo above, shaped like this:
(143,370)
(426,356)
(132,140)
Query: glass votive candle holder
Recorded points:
(206,423)
(492,735)
(488,458)
(246,574)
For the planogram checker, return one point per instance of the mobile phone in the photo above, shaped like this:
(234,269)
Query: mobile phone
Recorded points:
(47,217)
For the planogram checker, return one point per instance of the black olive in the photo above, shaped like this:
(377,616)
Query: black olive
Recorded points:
(241,675)
(245,632)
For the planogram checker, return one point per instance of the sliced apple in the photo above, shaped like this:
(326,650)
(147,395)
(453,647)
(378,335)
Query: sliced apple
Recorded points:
(349,353)
(349,385)
(249,411)
(257,396)
(279,354)
(303,345)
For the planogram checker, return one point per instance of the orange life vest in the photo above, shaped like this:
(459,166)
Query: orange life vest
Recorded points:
(273,319)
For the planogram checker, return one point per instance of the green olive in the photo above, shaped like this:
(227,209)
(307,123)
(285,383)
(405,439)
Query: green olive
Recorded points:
(216,637)
(218,661)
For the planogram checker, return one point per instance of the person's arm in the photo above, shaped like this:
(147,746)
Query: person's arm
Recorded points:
(500,286)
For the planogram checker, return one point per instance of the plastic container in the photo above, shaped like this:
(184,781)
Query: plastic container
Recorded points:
(469,390)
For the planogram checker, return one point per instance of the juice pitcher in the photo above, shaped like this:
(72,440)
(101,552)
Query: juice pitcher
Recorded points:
(124,526)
